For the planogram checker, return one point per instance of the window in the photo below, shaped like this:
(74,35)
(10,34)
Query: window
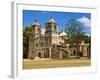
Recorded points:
(36,45)
(48,28)
(55,28)
(42,44)
(39,30)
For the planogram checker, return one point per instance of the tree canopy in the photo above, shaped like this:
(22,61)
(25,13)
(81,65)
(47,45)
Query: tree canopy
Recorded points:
(74,29)
(28,31)
(75,33)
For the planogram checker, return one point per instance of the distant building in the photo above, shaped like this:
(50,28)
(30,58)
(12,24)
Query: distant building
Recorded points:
(51,43)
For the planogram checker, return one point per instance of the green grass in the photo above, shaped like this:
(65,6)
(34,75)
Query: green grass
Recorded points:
(35,64)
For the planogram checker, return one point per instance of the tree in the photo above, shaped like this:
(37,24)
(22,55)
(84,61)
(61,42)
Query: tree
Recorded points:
(25,41)
(28,32)
(87,39)
(74,29)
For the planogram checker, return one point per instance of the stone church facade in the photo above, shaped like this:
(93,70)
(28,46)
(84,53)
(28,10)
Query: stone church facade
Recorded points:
(47,44)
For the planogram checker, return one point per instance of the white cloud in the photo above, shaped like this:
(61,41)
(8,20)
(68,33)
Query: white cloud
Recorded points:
(88,34)
(44,12)
(85,21)
(42,31)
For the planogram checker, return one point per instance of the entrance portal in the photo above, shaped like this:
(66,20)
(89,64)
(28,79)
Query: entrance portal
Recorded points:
(39,55)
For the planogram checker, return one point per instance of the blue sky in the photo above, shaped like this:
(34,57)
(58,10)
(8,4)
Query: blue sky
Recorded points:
(60,17)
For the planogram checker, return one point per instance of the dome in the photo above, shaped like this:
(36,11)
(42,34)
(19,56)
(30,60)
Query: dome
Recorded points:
(36,23)
(63,33)
(52,20)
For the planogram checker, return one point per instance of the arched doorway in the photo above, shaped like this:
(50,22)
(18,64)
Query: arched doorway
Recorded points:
(39,55)
(74,52)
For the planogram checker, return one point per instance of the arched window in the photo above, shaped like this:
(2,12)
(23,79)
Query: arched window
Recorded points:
(42,44)
(48,28)
(55,27)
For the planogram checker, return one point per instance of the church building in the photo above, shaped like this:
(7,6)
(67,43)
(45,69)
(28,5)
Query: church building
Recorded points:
(51,44)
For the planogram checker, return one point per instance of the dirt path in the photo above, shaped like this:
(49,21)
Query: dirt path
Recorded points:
(33,64)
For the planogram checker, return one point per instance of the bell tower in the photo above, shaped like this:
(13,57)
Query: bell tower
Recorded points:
(37,28)
(51,32)
(36,32)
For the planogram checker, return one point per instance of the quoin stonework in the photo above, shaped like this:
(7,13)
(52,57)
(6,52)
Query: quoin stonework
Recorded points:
(51,43)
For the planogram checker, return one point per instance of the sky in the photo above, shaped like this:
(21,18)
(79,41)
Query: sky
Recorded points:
(29,16)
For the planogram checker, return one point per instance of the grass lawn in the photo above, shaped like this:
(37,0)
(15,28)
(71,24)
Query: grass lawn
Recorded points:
(35,64)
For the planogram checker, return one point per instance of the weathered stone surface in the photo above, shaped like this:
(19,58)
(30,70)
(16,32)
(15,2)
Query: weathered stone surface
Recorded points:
(46,45)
